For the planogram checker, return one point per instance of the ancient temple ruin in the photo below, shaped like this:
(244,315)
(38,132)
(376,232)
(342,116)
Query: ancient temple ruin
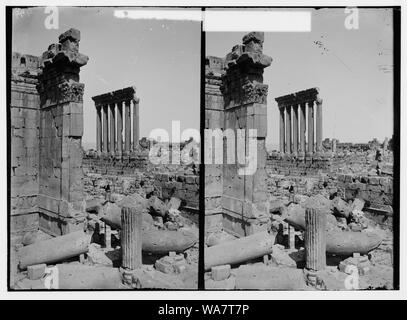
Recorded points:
(79,209)
(47,127)
(109,122)
(297,123)
(236,98)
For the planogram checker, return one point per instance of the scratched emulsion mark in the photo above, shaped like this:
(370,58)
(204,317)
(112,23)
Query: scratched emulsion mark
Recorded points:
(325,50)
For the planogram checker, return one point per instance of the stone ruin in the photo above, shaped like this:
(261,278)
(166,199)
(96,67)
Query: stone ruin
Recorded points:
(290,129)
(109,134)
(69,205)
(236,98)
(286,220)
(310,213)
(46,134)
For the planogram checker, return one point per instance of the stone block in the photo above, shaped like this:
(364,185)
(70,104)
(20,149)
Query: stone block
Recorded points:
(36,271)
(220,273)
(76,125)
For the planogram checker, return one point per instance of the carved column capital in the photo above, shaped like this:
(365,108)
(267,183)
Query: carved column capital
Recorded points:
(70,92)
(255,93)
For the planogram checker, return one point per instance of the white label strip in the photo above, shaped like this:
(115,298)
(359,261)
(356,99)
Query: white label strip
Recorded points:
(163,14)
(257,20)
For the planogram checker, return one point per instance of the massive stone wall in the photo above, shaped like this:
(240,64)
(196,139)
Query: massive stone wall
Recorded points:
(24,123)
(377,190)
(299,168)
(180,185)
(115,166)
(214,119)
(136,173)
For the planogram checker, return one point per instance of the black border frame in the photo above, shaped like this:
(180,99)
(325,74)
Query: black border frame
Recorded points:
(201,285)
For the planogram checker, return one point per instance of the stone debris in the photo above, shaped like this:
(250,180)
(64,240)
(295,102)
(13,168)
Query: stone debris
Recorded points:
(174,203)
(36,271)
(281,258)
(218,237)
(157,206)
(220,273)
(359,263)
(173,263)
(340,207)
(257,234)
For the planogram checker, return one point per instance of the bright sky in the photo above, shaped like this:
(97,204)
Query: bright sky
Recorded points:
(160,57)
(352,68)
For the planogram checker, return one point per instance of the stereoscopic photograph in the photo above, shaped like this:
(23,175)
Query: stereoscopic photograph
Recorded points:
(116,116)
(104,138)
(299,171)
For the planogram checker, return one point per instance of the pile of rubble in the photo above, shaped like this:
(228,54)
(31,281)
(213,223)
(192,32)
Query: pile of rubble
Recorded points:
(356,241)
(91,258)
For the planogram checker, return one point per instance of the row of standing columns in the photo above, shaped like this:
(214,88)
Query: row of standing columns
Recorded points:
(109,127)
(297,127)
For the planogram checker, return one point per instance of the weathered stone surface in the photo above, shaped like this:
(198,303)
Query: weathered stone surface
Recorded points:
(261,277)
(220,273)
(358,204)
(215,238)
(47,131)
(281,258)
(239,250)
(54,250)
(79,276)
(131,237)
(340,207)
(348,242)
(36,271)
(173,263)
(295,216)
(315,239)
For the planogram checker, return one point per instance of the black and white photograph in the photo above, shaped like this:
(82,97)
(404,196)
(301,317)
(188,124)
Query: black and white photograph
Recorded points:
(306,201)
(104,118)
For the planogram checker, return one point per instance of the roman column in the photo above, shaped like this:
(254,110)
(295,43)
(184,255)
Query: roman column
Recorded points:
(112,127)
(98,129)
(319,124)
(295,129)
(136,123)
(131,238)
(303,128)
(282,129)
(105,131)
(127,128)
(315,239)
(288,130)
(310,127)
(119,128)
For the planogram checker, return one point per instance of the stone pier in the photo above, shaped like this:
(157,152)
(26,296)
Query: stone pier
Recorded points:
(301,132)
(214,119)
(236,99)
(111,140)
(46,136)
